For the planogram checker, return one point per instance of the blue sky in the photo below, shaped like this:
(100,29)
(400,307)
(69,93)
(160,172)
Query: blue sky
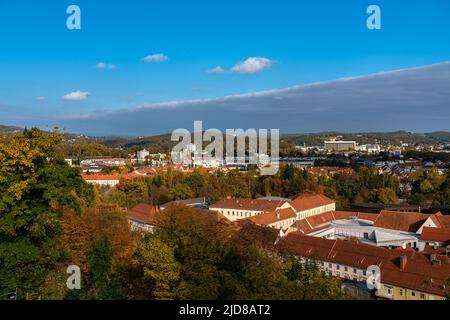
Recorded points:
(304,41)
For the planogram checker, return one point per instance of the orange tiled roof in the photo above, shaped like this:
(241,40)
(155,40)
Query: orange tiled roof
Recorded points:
(99,177)
(426,273)
(309,201)
(143,212)
(403,221)
(260,205)
(273,216)
(435,234)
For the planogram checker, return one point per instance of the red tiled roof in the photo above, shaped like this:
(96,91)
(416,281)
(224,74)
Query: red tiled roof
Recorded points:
(426,273)
(308,224)
(435,234)
(403,221)
(443,220)
(309,201)
(143,212)
(260,205)
(273,216)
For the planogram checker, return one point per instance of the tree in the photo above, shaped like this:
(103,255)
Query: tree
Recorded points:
(101,281)
(155,260)
(35,185)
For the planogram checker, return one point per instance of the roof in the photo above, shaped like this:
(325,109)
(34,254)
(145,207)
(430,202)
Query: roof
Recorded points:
(259,205)
(403,221)
(435,234)
(309,201)
(186,202)
(273,216)
(443,220)
(144,213)
(422,272)
(312,223)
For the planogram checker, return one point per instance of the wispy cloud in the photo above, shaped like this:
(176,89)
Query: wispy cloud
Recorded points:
(40,98)
(216,70)
(76,96)
(157,57)
(103,65)
(253,65)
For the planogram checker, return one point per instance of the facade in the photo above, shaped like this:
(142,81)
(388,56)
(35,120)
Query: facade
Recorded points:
(340,146)
(312,204)
(141,155)
(102,180)
(238,209)
(303,206)
(281,219)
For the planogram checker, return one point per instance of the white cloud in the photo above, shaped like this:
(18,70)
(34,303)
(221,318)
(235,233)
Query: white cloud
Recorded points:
(252,65)
(216,70)
(41,98)
(76,96)
(158,57)
(103,65)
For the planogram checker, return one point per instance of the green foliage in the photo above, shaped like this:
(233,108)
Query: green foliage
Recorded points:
(191,256)
(34,187)
(102,282)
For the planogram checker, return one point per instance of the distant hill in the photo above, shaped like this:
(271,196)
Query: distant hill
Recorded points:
(162,142)
(10,129)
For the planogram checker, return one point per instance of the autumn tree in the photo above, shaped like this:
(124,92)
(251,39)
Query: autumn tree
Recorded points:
(35,185)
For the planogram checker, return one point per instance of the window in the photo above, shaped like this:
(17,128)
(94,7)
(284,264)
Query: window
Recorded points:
(364,272)
(346,269)
(389,291)
(354,270)
(422,296)
(400,292)
(330,265)
(413,293)
(338,267)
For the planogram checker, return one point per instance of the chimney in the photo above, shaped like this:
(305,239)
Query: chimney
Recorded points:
(403,262)
(278,216)
(434,259)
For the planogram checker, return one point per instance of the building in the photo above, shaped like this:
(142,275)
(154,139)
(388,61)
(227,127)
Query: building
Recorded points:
(281,219)
(435,237)
(405,273)
(389,229)
(193,202)
(102,180)
(340,146)
(142,218)
(240,208)
(303,206)
(312,204)
(142,155)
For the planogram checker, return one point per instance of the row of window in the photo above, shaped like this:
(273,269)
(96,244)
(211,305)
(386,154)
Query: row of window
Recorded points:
(238,213)
(390,292)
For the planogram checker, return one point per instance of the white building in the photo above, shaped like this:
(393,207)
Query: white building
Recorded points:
(141,155)
(102,180)
(340,146)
